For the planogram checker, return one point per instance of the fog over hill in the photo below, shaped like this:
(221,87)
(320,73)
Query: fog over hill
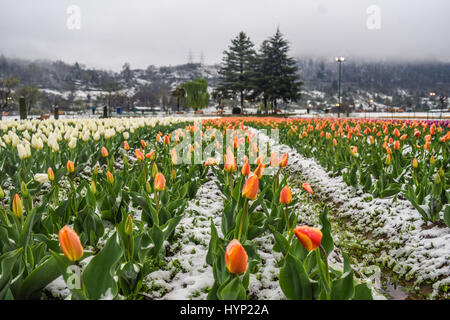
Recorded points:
(402,83)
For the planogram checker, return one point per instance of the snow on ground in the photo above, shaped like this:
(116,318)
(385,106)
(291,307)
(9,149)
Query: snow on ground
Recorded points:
(188,276)
(388,233)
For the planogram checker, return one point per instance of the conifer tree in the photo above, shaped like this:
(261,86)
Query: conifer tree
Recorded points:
(235,72)
(275,73)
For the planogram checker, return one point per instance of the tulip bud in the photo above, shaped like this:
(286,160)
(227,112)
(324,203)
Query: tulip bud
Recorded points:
(160,182)
(306,186)
(251,186)
(388,160)
(354,151)
(154,169)
(70,167)
(51,174)
(93,187)
(24,189)
(441,172)
(230,162)
(437,178)
(110,177)
(17,206)
(284,160)
(309,237)
(335,142)
(260,170)
(236,257)
(139,155)
(245,169)
(415,163)
(152,155)
(397,145)
(174,174)
(166,140)
(148,188)
(286,195)
(104,152)
(70,244)
(2,193)
(143,143)
(274,159)
(41,177)
(126,146)
(432,160)
(129,226)
(95,170)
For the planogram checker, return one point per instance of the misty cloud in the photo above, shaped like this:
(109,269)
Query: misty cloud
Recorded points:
(162,32)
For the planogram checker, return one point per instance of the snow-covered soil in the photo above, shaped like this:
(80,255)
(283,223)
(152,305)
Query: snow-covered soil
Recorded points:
(378,232)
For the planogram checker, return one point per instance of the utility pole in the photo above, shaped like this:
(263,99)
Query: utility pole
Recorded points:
(339,60)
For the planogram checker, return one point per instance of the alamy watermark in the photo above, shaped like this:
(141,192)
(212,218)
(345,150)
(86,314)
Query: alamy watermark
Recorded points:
(374,17)
(74,17)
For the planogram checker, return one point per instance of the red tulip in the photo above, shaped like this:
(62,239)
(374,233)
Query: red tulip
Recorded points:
(309,237)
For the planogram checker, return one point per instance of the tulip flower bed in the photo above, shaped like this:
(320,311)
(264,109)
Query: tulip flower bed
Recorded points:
(169,209)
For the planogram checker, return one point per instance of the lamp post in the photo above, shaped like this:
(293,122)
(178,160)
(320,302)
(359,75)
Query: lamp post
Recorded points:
(339,60)
(432,94)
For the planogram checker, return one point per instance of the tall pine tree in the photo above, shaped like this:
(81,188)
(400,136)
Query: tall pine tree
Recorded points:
(276,74)
(235,72)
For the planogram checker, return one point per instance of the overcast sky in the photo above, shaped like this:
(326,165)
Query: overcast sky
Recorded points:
(163,32)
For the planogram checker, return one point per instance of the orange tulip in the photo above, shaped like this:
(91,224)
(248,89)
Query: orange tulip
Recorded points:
(245,169)
(251,186)
(260,170)
(403,137)
(174,156)
(397,145)
(286,195)
(126,146)
(307,188)
(284,160)
(110,177)
(236,257)
(70,244)
(51,174)
(143,143)
(166,140)
(309,237)
(415,164)
(17,206)
(274,159)
(104,152)
(160,182)
(396,132)
(388,150)
(70,167)
(139,155)
(230,162)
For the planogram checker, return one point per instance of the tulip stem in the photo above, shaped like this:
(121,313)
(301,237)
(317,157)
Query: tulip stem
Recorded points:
(242,219)
(230,178)
(158,195)
(325,258)
(4,212)
(287,219)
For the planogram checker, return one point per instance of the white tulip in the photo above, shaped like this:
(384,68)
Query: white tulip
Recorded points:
(41,177)
(73,143)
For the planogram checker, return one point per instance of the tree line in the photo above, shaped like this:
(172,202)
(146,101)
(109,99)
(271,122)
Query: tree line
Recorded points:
(267,75)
